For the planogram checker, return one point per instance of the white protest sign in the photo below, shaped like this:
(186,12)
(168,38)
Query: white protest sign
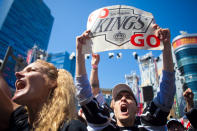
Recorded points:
(121,27)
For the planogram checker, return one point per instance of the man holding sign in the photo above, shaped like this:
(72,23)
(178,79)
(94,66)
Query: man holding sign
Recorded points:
(124,103)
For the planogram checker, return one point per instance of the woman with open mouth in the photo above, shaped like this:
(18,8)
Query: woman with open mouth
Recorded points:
(47,99)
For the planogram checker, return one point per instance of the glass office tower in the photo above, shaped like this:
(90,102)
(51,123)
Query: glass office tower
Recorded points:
(23,24)
(63,60)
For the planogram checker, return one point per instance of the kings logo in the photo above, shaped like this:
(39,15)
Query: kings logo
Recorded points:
(119,24)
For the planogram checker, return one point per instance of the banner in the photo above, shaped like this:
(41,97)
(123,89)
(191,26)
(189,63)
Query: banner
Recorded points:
(121,27)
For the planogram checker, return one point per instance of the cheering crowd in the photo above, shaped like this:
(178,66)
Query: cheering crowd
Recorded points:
(46,97)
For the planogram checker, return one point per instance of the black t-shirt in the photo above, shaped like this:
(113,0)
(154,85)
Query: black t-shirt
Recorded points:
(19,122)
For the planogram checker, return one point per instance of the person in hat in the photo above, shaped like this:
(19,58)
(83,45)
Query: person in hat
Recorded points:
(124,103)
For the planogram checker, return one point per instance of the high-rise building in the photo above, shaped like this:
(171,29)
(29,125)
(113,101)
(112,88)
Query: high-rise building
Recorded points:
(23,24)
(185,50)
(63,60)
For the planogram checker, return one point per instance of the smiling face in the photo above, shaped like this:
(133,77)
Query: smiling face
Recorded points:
(124,109)
(32,84)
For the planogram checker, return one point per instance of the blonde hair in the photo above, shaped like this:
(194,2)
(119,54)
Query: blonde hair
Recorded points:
(61,105)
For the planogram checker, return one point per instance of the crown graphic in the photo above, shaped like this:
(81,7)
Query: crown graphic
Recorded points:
(119,36)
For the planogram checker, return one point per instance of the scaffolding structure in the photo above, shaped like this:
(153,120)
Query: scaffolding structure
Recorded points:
(133,81)
(36,53)
(148,71)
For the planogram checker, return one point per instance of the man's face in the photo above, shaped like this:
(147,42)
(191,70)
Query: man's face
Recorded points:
(124,108)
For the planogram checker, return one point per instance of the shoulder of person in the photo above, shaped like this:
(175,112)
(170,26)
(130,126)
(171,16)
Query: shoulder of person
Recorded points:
(153,116)
(73,125)
(191,116)
(19,119)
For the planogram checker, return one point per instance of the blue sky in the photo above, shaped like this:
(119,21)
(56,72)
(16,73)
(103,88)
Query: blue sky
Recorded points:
(71,18)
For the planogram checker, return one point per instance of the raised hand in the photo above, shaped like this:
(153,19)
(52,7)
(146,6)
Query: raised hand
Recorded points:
(95,59)
(189,96)
(80,60)
(81,40)
(162,34)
